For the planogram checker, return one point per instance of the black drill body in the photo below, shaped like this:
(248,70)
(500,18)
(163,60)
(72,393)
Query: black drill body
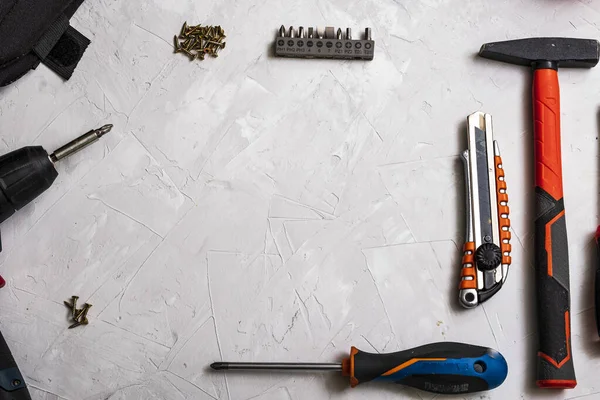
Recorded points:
(24,175)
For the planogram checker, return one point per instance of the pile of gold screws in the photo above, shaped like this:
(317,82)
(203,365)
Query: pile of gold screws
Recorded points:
(196,41)
(79,315)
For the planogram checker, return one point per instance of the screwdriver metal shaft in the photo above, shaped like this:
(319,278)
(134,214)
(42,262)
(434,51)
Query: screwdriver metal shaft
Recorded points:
(79,143)
(277,366)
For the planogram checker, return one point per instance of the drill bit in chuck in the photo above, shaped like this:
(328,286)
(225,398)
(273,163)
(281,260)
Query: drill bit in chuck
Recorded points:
(82,141)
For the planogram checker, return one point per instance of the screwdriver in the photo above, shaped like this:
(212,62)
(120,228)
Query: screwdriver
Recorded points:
(27,172)
(444,368)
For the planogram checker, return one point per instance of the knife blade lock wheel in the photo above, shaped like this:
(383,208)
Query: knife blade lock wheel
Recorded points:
(486,253)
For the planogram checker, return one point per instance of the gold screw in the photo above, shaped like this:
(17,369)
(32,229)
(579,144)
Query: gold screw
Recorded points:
(184,29)
(189,54)
(82,312)
(176,44)
(191,44)
(75,325)
(73,304)
(80,316)
(83,315)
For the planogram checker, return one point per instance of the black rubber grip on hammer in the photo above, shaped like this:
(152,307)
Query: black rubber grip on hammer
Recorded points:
(555,360)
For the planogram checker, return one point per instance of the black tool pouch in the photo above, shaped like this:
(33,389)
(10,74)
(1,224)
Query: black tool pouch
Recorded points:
(34,31)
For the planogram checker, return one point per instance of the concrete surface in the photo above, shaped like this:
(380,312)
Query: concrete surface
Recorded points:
(254,208)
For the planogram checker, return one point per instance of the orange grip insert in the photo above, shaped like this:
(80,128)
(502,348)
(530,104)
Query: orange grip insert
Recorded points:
(469,246)
(546,117)
(348,367)
(468,273)
(503,211)
(505,235)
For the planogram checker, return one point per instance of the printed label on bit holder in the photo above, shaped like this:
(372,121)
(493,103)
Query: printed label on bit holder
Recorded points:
(323,44)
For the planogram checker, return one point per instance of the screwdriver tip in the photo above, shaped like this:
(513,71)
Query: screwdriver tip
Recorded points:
(219,366)
(104,129)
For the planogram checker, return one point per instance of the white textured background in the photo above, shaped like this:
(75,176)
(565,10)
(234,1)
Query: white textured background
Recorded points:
(255,208)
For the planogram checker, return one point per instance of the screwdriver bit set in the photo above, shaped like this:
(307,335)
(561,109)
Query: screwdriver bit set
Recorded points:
(328,43)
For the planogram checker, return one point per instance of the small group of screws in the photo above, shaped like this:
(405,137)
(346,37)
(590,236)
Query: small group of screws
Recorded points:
(196,41)
(314,33)
(79,315)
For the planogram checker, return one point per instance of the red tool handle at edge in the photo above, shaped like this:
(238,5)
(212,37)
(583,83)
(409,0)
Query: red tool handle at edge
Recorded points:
(555,362)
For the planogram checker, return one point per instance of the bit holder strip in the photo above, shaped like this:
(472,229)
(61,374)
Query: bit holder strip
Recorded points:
(312,43)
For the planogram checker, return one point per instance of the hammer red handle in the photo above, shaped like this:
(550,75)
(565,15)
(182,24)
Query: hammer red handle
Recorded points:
(555,362)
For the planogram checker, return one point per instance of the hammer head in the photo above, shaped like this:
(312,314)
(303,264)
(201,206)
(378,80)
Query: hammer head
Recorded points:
(560,52)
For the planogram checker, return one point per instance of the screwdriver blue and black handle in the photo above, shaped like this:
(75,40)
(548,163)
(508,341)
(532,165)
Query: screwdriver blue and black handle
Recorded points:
(12,385)
(445,367)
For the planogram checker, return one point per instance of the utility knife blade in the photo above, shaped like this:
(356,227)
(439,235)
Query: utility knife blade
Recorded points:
(486,253)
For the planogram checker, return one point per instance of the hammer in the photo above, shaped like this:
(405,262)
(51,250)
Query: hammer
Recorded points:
(544,56)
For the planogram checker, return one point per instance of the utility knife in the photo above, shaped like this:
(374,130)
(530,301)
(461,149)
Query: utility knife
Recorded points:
(486,253)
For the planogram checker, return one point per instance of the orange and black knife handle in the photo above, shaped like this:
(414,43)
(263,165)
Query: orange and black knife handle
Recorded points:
(554,358)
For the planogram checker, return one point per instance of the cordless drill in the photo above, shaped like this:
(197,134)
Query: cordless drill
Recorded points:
(24,175)
(27,172)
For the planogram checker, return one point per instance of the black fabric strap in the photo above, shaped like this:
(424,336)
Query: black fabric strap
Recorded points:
(51,37)
(64,57)
(61,47)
